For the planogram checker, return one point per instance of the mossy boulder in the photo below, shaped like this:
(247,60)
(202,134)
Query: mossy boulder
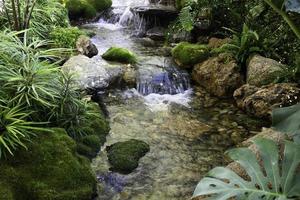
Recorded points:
(95,132)
(124,156)
(187,55)
(86,8)
(119,55)
(49,169)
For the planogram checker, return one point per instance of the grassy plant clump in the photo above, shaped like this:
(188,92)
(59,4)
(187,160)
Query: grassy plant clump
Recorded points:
(119,55)
(187,55)
(66,37)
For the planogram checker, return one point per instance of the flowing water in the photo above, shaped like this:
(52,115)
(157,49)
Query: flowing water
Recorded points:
(187,129)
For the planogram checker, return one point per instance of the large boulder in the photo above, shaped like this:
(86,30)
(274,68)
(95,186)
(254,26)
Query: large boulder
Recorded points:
(219,75)
(260,101)
(186,55)
(85,46)
(217,42)
(124,156)
(49,169)
(262,71)
(88,73)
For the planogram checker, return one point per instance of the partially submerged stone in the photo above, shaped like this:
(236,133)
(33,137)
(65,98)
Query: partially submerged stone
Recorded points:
(119,55)
(261,101)
(124,156)
(219,75)
(187,55)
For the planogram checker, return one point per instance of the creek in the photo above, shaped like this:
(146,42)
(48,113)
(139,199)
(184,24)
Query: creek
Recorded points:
(187,129)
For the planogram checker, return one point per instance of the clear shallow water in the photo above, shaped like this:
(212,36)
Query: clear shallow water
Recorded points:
(187,132)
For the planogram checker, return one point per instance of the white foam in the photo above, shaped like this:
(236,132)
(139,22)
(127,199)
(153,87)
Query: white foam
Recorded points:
(161,102)
(103,24)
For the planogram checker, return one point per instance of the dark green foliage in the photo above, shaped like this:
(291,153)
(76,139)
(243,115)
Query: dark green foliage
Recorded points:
(86,8)
(277,179)
(50,169)
(242,45)
(119,55)
(66,37)
(124,156)
(187,54)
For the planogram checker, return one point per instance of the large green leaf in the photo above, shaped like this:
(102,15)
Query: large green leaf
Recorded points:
(287,120)
(275,180)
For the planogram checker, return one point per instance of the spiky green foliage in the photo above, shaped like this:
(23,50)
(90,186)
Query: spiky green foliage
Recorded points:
(242,45)
(271,178)
(14,128)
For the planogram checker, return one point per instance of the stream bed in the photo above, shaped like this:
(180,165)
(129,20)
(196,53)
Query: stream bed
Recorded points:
(188,130)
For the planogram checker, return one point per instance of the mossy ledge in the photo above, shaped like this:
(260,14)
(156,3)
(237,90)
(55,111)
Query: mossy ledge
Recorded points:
(124,156)
(187,55)
(50,169)
(119,55)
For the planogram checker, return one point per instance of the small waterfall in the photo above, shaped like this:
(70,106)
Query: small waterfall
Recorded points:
(169,80)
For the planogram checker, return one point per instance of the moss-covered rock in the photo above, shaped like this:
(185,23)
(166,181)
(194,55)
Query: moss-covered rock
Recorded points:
(86,8)
(124,156)
(186,55)
(49,170)
(95,132)
(119,55)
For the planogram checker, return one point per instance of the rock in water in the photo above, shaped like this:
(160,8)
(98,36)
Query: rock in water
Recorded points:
(85,47)
(260,102)
(124,156)
(88,73)
(119,55)
(262,71)
(186,55)
(219,75)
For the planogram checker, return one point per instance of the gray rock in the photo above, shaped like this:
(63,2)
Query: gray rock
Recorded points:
(88,73)
(85,47)
(262,71)
(260,102)
(156,33)
(219,75)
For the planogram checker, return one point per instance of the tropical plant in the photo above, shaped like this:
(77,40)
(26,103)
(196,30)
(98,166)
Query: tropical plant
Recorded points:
(274,176)
(279,6)
(242,45)
(15,128)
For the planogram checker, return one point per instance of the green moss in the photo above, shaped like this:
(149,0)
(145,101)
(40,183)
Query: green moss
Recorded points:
(49,170)
(124,156)
(66,37)
(86,8)
(101,5)
(80,9)
(187,55)
(119,55)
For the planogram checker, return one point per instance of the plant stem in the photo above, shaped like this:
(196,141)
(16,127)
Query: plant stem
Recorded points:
(285,17)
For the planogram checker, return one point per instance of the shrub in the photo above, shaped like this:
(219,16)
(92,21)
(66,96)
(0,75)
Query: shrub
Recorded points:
(66,37)
(101,5)
(119,55)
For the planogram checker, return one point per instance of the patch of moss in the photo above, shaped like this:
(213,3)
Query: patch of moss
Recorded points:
(101,5)
(95,132)
(49,170)
(80,9)
(119,55)
(124,156)
(187,55)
